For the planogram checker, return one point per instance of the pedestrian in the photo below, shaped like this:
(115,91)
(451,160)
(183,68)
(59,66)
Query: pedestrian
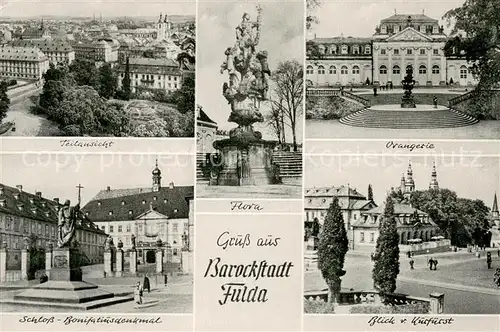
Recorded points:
(431,263)
(435,101)
(146,283)
(138,293)
(498,252)
(435,264)
(496,278)
(411,264)
(374,90)
(166,279)
(408,253)
(488,260)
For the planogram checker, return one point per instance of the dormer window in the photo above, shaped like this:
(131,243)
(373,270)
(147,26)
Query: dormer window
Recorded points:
(34,210)
(44,204)
(333,49)
(367,49)
(344,49)
(355,49)
(175,210)
(129,212)
(20,207)
(16,196)
(143,202)
(110,213)
(321,49)
(155,198)
(87,213)
(165,201)
(99,203)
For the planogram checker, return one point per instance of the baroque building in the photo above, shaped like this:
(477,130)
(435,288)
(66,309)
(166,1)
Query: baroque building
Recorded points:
(148,74)
(399,42)
(149,214)
(99,51)
(24,214)
(24,63)
(56,50)
(206,132)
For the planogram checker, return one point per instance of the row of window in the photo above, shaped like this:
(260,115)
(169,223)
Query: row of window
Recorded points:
(397,70)
(362,237)
(332,70)
(344,70)
(175,228)
(344,49)
(409,51)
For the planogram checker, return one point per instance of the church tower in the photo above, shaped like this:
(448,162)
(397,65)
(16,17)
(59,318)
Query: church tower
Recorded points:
(494,209)
(409,184)
(156,177)
(163,28)
(434,183)
(403,181)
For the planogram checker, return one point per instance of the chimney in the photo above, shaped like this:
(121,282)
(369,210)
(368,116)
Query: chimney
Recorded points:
(56,199)
(19,187)
(171,185)
(108,188)
(38,194)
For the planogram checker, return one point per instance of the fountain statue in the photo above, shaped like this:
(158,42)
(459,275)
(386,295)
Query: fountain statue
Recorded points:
(246,157)
(408,83)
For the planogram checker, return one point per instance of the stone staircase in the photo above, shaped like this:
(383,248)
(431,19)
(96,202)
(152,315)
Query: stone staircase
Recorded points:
(290,166)
(408,119)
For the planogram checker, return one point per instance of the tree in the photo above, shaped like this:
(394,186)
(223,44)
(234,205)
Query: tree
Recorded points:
(274,120)
(153,128)
(289,88)
(386,268)
(184,97)
(370,192)
(332,248)
(107,81)
(4,100)
(311,18)
(85,73)
(126,91)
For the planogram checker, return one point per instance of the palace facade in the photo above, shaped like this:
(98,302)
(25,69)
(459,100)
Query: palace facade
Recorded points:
(56,50)
(148,214)
(102,50)
(399,42)
(147,74)
(24,214)
(23,63)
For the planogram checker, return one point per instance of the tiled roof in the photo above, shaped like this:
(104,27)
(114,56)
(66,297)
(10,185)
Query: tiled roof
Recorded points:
(151,66)
(333,191)
(14,201)
(153,62)
(21,53)
(404,18)
(45,45)
(128,204)
(202,116)
(399,208)
(33,32)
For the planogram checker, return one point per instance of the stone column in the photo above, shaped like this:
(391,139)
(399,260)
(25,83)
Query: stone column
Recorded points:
(159,260)
(415,66)
(108,262)
(389,69)
(429,68)
(375,65)
(3,263)
(133,261)
(25,263)
(48,260)
(119,262)
(437,303)
(403,65)
(442,70)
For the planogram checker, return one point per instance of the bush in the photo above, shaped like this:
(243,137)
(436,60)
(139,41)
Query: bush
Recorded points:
(329,108)
(318,307)
(412,308)
(37,261)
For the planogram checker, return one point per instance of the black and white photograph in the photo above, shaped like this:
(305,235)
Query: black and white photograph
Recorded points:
(393,235)
(249,110)
(96,233)
(97,68)
(402,70)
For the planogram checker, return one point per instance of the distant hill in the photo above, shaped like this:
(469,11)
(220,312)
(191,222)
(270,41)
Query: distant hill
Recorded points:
(172,18)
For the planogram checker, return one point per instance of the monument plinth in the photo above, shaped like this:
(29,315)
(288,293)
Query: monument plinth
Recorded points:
(408,83)
(245,156)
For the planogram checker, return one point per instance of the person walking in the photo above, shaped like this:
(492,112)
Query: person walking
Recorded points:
(435,264)
(146,283)
(431,263)
(138,293)
(488,260)
(411,264)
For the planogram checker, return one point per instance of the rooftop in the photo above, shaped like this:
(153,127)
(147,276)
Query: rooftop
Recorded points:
(21,53)
(404,18)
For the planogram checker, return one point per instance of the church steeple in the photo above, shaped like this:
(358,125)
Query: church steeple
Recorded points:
(494,210)
(409,183)
(434,183)
(156,177)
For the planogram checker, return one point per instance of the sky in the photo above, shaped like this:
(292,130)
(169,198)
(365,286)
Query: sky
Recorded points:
(57,175)
(469,177)
(87,8)
(282,35)
(358,18)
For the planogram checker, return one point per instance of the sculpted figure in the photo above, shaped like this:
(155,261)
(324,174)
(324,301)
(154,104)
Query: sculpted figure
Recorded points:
(66,224)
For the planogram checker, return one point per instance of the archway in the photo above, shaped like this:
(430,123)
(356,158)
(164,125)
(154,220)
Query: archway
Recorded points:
(150,256)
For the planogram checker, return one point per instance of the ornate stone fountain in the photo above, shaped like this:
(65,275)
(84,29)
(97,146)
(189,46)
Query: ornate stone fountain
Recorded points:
(408,83)
(245,156)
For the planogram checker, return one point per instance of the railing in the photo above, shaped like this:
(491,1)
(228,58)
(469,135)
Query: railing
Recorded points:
(327,92)
(354,297)
(458,99)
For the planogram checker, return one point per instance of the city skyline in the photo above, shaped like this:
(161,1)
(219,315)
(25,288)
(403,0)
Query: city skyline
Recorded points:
(472,177)
(106,8)
(281,36)
(58,175)
(359,19)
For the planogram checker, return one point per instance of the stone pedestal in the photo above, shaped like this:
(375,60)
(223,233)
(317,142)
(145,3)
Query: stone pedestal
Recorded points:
(159,261)
(108,262)
(133,261)
(437,303)
(65,265)
(25,263)
(3,265)
(408,102)
(187,262)
(119,263)
(245,163)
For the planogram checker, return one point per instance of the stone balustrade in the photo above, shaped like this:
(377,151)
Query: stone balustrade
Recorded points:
(327,92)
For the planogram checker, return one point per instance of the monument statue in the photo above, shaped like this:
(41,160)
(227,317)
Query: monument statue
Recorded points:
(133,241)
(408,83)
(68,216)
(247,85)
